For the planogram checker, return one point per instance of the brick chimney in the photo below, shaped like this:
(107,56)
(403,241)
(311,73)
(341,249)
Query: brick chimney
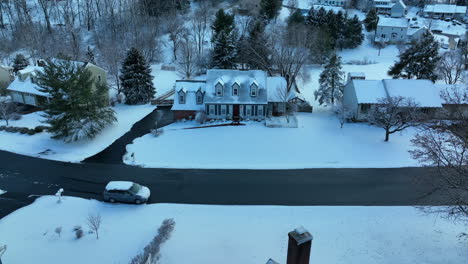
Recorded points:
(299,244)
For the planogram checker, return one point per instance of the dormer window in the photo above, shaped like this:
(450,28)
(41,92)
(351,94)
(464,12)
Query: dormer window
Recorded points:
(253,89)
(199,96)
(181,97)
(219,89)
(235,89)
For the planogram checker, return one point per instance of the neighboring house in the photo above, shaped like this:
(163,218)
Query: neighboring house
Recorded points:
(360,96)
(453,101)
(233,95)
(6,76)
(342,3)
(442,11)
(390,7)
(397,31)
(25,90)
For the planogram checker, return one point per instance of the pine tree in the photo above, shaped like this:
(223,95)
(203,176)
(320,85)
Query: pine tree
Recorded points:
(311,18)
(224,41)
(136,79)
(371,20)
(321,17)
(19,63)
(336,27)
(270,8)
(78,106)
(296,18)
(258,52)
(331,82)
(418,61)
(353,36)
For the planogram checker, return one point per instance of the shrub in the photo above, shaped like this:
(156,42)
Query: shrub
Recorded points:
(40,129)
(16,116)
(10,129)
(78,232)
(31,132)
(2,128)
(23,130)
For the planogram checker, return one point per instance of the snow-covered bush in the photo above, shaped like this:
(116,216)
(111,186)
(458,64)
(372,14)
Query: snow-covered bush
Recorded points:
(58,230)
(78,232)
(58,194)
(94,223)
(200,117)
(16,116)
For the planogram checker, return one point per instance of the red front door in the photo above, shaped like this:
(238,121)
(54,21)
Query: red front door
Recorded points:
(235,113)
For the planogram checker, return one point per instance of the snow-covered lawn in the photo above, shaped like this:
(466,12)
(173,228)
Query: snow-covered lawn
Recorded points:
(163,81)
(318,142)
(72,152)
(228,234)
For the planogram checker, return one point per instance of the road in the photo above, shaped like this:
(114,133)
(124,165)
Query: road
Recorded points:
(23,176)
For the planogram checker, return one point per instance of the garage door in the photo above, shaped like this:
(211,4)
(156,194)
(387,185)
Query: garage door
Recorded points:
(17,97)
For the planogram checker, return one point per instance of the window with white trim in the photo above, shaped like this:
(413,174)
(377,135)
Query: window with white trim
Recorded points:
(212,109)
(199,97)
(223,109)
(248,110)
(260,110)
(253,90)
(181,97)
(219,89)
(235,89)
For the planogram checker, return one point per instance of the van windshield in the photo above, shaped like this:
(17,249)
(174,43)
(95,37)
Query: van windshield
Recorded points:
(135,188)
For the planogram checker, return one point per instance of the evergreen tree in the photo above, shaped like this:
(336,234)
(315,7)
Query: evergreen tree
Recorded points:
(418,61)
(296,18)
(258,55)
(336,27)
(224,41)
(331,82)
(136,79)
(321,17)
(371,20)
(311,18)
(270,8)
(353,36)
(78,105)
(19,63)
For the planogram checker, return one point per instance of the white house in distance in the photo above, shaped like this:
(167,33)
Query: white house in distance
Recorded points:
(24,89)
(232,95)
(442,11)
(390,7)
(397,30)
(342,3)
(6,76)
(361,95)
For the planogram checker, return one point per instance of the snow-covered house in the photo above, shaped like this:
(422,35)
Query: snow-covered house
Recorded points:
(443,11)
(397,30)
(390,7)
(6,76)
(25,90)
(232,95)
(361,95)
(342,3)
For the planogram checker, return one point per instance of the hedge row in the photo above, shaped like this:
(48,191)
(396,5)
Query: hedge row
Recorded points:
(23,130)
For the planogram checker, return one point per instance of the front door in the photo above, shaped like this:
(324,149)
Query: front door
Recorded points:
(235,113)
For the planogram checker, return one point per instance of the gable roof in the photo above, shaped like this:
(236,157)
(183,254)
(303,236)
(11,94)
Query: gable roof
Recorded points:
(392,22)
(26,86)
(423,92)
(243,78)
(444,8)
(190,87)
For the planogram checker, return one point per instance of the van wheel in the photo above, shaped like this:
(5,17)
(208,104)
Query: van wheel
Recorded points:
(112,200)
(137,201)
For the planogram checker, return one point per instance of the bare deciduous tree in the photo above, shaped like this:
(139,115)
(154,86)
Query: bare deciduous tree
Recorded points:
(176,30)
(187,59)
(7,108)
(200,23)
(94,223)
(450,67)
(343,113)
(395,114)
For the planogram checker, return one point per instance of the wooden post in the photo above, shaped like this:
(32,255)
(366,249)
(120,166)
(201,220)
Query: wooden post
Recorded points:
(299,245)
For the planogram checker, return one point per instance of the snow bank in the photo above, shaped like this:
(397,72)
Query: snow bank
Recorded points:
(228,234)
(2,192)
(318,142)
(41,145)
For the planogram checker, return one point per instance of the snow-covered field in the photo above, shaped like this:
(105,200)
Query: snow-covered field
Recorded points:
(73,152)
(228,234)
(318,142)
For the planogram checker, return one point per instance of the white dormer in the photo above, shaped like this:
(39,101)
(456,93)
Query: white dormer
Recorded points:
(235,88)
(199,96)
(219,87)
(254,89)
(182,96)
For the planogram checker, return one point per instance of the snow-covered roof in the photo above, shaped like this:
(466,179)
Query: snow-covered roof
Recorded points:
(412,31)
(400,2)
(26,86)
(369,91)
(244,78)
(443,8)
(277,89)
(423,92)
(357,74)
(190,87)
(119,185)
(30,69)
(392,22)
